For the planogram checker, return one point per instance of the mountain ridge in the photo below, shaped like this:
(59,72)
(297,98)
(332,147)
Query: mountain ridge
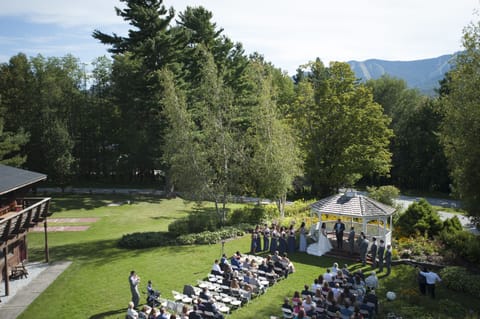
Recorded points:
(422,74)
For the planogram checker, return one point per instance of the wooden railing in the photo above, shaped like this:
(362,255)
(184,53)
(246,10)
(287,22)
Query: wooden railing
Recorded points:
(15,223)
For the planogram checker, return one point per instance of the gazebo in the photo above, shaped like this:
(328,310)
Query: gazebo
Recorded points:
(356,209)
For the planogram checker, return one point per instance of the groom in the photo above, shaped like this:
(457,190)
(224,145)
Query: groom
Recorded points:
(339,227)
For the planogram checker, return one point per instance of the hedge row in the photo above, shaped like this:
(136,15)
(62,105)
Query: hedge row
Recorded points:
(460,279)
(158,239)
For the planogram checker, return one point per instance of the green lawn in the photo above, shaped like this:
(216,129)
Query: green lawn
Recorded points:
(96,284)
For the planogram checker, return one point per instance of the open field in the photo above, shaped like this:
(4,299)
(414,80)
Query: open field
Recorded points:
(96,284)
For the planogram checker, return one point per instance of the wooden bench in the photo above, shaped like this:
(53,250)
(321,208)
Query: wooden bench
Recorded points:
(18,271)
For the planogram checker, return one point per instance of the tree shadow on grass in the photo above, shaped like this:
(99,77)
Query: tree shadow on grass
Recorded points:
(88,202)
(108,313)
(101,251)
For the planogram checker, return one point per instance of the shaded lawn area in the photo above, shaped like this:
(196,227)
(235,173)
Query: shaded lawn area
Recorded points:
(96,284)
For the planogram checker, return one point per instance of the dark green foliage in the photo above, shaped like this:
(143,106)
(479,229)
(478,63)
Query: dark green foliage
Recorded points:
(248,214)
(384,194)
(462,244)
(452,225)
(146,240)
(344,134)
(418,161)
(197,221)
(210,237)
(158,239)
(420,217)
(459,279)
(460,131)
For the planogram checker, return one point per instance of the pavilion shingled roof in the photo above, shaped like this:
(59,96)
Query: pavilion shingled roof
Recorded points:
(357,206)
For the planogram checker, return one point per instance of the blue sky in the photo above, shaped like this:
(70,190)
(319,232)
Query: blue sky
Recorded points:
(287,33)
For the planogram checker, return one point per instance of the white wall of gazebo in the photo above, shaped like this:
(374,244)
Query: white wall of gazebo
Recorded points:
(359,211)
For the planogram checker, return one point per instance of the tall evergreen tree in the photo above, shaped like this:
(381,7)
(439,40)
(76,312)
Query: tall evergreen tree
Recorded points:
(149,46)
(461,126)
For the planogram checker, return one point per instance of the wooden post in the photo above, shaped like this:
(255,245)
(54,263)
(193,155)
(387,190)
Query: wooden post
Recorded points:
(47,257)
(5,269)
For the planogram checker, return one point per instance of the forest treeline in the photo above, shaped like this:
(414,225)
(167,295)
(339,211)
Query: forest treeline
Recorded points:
(180,105)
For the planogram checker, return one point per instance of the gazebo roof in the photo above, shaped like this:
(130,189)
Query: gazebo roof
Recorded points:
(352,205)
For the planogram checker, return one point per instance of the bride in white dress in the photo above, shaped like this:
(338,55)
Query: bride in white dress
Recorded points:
(323,244)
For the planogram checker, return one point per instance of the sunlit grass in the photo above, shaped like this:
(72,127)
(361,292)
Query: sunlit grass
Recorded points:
(96,285)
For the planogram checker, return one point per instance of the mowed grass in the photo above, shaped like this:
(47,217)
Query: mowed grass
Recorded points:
(96,284)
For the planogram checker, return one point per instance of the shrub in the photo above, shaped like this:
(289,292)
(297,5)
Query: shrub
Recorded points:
(459,279)
(197,221)
(208,237)
(420,217)
(384,194)
(146,240)
(452,224)
(248,214)
(298,207)
(156,239)
(463,244)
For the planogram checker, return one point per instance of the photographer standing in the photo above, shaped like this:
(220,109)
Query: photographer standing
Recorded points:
(134,280)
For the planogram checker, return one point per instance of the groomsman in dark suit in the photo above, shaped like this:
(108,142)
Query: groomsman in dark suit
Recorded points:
(388,259)
(380,255)
(339,228)
(351,240)
(373,252)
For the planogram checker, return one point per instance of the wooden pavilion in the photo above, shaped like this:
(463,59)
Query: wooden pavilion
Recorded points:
(18,214)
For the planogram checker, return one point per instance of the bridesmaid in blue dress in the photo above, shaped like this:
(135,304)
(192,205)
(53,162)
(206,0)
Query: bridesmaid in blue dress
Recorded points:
(253,244)
(291,239)
(282,241)
(274,241)
(258,244)
(266,238)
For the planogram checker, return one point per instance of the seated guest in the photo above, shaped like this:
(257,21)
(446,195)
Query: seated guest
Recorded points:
(210,306)
(336,291)
(246,264)
(163,314)
(335,269)
(131,312)
(223,261)
(345,270)
(216,270)
(235,261)
(328,277)
(146,310)
(296,301)
(365,306)
(204,294)
(318,296)
(193,314)
(286,304)
(309,305)
(306,291)
(234,284)
(263,266)
(287,264)
(326,287)
(301,314)
(372,297)
(316,285)
(371,281)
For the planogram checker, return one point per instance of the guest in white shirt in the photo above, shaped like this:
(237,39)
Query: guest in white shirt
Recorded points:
(216,270)
(131,312)
(432,278)
(328,276)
